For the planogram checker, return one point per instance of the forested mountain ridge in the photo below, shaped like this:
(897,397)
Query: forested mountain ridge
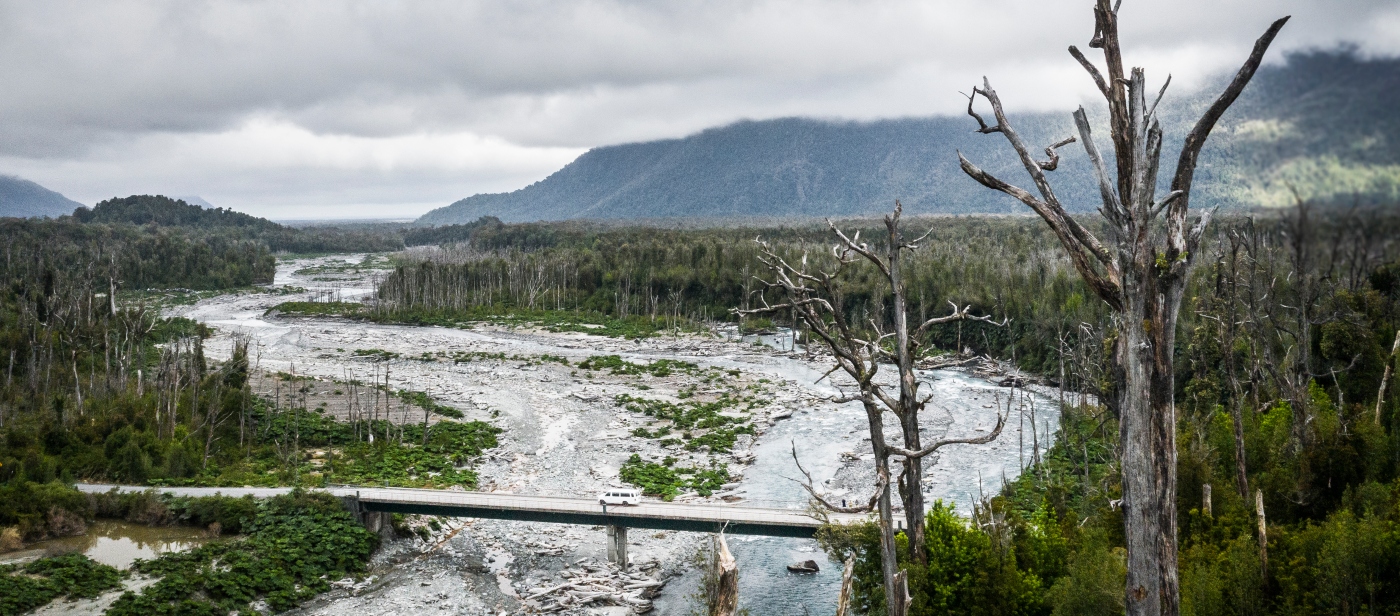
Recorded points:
(1323,123)
(164,211)
(20,198)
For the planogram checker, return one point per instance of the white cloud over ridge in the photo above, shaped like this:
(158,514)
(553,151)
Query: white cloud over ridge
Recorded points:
(323,108)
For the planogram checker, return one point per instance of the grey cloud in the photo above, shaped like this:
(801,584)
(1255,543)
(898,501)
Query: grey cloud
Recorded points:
(85,78)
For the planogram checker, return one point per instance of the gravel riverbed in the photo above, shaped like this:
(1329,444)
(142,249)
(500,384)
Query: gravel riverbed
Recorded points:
(564,434)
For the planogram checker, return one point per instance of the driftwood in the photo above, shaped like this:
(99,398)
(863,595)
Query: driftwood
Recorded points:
(590,584)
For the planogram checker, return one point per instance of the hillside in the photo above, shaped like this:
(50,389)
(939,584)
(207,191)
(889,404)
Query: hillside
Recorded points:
(163,211)
(1324,123)
(23,199)
(167,212)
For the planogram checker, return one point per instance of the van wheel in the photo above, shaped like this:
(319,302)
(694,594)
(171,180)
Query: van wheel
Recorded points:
(602,502)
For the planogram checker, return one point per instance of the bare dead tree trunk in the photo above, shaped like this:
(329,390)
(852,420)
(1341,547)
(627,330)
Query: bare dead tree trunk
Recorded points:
(1141,274)
(1237,394)
(843,602)
(726,598)
(1380,396)
(814,297)
(1263,534)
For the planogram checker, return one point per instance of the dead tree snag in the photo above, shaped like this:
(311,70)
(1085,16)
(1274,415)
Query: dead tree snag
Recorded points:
(1141,273)
(861,350)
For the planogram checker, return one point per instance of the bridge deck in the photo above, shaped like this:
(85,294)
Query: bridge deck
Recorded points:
(649,514)
(531,508)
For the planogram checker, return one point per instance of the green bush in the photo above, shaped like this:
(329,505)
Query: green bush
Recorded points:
(34,507)
(24,588)
(295,545)
(1093,585)
(666,480)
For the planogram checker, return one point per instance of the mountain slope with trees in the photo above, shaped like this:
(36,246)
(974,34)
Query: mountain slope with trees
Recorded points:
(162,211)
(1322,123)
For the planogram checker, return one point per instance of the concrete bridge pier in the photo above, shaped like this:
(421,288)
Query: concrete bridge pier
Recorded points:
(378,522)
(617,545)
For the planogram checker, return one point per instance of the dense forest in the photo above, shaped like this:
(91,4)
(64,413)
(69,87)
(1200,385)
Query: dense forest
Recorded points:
(97,385)
(1287,330)
(163,211)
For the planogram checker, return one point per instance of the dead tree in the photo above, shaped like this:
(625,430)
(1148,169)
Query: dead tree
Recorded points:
(723,598)
(814,297)
(1140,273)
(1380,396)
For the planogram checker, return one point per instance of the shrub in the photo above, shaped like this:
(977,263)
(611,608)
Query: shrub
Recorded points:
(42,581)
(295,545)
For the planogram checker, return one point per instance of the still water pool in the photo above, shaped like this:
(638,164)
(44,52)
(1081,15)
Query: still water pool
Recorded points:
(114,543)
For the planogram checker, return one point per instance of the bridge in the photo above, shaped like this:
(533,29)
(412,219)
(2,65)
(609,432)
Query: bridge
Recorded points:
(373,506)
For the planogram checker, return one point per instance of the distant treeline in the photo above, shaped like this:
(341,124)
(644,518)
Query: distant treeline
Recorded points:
(96,257)
(448,234)
(166,212)
(1004,266)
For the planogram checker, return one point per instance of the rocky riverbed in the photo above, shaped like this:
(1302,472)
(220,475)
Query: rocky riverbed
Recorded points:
(565,433)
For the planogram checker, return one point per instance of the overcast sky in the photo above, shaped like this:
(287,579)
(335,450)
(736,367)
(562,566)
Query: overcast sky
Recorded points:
(388,109)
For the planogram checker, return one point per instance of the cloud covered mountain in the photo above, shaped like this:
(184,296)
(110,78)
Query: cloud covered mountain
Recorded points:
(1323,123)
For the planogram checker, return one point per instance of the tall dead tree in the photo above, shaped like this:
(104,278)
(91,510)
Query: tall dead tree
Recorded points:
(860,350)
(1141,273)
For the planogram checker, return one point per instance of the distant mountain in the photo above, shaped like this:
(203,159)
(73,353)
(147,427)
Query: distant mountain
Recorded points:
(1325,123)
(24,199)
(196,200)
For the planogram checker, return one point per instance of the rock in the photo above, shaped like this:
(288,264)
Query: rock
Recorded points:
(806,566)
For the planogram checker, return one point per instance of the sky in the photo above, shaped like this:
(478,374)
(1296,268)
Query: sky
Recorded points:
(383,109)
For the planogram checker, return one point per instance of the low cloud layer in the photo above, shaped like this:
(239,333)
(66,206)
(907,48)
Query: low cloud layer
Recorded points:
(380,109)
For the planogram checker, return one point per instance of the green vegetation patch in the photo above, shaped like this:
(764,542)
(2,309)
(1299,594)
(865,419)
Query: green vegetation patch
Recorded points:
(318,309)
(295,546)
(425,402)
(340,452)
(667,480)
(701,424)
(617,365)
(27,587)
(376,354)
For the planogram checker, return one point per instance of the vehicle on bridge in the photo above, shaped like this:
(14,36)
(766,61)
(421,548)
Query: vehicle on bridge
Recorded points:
(620,496)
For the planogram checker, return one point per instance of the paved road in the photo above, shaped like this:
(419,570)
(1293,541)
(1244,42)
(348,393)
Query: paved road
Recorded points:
(650,514)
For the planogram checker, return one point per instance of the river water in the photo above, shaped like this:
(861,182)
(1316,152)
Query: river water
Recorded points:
(114,543)
(960,474)
(961,406)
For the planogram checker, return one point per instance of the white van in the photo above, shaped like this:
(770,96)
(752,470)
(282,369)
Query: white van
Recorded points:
(620,496)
